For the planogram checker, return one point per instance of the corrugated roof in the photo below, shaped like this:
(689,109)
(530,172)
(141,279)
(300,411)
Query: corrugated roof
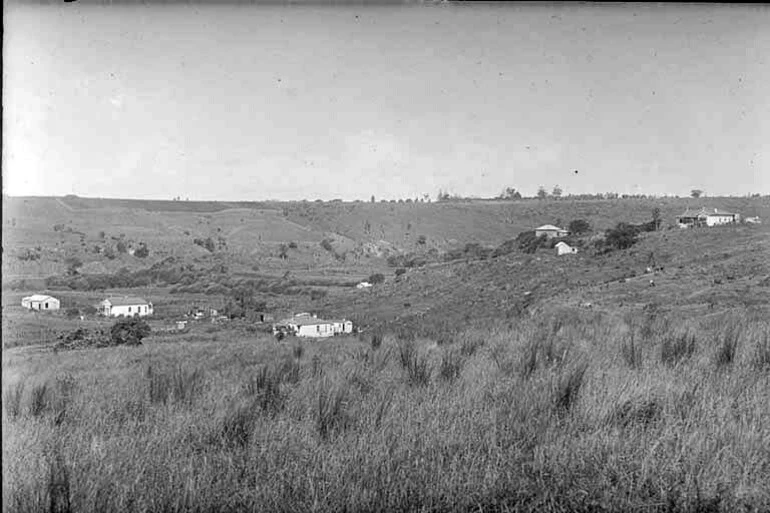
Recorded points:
(704,212)
(38,297)
(550,227)
(127,301)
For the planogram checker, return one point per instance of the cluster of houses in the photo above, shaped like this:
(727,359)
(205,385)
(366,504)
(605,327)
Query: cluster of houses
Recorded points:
(705,217)
(127,306)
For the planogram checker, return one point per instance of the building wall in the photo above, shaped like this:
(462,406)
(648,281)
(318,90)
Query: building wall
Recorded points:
(48,304)
(716,220)
(315,330)
(130,310)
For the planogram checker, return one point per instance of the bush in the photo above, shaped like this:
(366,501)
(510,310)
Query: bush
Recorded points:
(142,251)
(376,278)
(579,226)
(129,331)
(623,236)
(327,245)
(400,271)
(529,242)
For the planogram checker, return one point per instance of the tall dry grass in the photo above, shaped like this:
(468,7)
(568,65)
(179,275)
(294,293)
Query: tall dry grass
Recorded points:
(545,415)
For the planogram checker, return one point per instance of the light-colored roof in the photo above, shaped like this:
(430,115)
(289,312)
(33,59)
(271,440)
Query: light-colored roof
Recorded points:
(127,301)
(38,297)
(307,320)
(550,227)
(704,212)
(562,244)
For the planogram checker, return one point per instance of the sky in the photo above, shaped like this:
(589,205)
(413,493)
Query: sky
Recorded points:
(322,101)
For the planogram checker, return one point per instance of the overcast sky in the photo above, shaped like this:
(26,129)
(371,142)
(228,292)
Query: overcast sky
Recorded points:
(291,102)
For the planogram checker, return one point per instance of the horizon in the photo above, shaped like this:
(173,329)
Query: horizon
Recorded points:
(344,102)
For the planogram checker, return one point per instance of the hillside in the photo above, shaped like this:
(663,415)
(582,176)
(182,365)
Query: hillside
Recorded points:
(41,233)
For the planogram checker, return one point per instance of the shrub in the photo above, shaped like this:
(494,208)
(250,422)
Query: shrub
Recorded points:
(121,247)
(635,412)
(12,400)
(529,242)
(400,271)
(579,226)
(376,278)
(416,366)
(327,245)
(623,236)
(142,251)
(129,331)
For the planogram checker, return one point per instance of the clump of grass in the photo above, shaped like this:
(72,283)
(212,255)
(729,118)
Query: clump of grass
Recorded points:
(631,351)
(58,484)
(567,388)
(375,341)
(330,413)
(12,397)
(316,366)
(236,426)
(39,399)
(297,351)
(527,364)
(762,350)
(451,365)
(727,345)
(676,347)
(265,387)
(178,384)
(416,366)
(470,345)
(635,412)
(289,371)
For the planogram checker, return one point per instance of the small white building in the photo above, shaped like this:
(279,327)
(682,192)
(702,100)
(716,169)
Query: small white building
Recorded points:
(127,306)
(705,217)
(550,231)
(40,302)
(562,248)
(364,285)
(306,325)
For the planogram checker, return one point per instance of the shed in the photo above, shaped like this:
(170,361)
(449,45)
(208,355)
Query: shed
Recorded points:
(41,302)
(562,248)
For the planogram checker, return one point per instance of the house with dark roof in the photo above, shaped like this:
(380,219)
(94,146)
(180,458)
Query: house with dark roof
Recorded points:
(705,217)
(550,231)
(127,306)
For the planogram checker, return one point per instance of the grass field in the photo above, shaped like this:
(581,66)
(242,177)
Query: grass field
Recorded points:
(576,412)
(523,382)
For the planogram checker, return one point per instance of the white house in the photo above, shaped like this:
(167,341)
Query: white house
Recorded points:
(40,302)
(705,217)
(128,306)
(364,285)
(562,248)
(306,325)
(550,231)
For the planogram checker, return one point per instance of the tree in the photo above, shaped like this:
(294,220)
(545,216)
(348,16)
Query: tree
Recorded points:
(511,194)
(121,247)
(129,331)
(376,278)
(73,264)
(656,220)
(578,226)
(283,252)
(623,236)
(556,193)
(541,193)
(372,199)
(696,193)
(142,251)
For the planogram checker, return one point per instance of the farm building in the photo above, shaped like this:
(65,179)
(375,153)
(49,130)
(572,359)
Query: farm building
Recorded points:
(128,306)
(562,248)
(306,325)
(364,285)
(550,231)
(704,217)
(40,302)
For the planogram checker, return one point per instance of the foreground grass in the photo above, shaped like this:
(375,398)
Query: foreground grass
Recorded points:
(579,412)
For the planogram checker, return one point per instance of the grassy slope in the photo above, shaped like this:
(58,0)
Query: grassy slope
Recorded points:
(509,419)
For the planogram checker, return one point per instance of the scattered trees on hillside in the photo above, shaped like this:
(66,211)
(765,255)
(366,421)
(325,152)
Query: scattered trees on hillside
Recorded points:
(556,193)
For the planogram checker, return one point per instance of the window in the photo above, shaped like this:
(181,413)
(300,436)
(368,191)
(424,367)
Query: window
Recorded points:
(46,306)
(129,309)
